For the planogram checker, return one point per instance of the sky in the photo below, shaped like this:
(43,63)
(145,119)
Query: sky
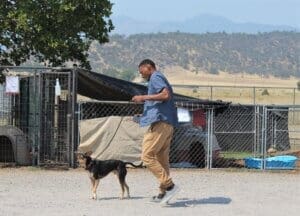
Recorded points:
(274,12)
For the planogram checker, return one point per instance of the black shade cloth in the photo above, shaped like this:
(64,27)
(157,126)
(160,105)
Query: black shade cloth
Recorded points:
(102,87)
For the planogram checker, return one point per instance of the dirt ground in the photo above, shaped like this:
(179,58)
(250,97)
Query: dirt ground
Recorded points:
(32,191)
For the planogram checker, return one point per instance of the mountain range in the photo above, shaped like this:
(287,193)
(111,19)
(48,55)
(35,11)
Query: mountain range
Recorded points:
(275,53)
(199,24)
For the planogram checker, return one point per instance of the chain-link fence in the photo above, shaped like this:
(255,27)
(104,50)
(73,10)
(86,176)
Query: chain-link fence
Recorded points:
(39,124)
(188,146)
(37,116)
(236,131)
(213,138)
(281,136)
(259,95)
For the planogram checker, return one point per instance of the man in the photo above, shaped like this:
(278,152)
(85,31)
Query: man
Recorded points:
(161,115)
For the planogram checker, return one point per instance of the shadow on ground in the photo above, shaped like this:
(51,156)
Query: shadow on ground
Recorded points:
(117,198)
(184,202)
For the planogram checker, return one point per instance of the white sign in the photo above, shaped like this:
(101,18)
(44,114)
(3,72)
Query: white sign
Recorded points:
(57,88)
(183,115)
(12,85)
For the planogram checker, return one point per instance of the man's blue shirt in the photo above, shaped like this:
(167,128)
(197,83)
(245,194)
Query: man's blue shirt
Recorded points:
(155,111)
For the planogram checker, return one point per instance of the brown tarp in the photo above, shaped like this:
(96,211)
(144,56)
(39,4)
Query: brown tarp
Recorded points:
(120,138)
(112,138)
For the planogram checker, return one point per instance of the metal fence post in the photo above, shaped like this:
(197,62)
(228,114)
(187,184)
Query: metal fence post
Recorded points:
(78,125)
(254,131)
(264,137)
(209,138)
(39,120)
(74,117)
(35,127)
(262,133)
(69,119)
(294,103)
(254,95)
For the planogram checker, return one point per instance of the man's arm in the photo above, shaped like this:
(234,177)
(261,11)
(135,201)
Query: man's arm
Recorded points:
(162,96)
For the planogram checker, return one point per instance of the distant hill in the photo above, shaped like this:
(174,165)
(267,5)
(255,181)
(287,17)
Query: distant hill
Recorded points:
(275,53)
(200,24)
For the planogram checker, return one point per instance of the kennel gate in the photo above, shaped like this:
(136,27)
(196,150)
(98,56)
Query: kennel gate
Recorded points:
(47,120)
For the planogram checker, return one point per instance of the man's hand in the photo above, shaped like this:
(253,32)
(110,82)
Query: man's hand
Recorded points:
(139,98)
(136,118)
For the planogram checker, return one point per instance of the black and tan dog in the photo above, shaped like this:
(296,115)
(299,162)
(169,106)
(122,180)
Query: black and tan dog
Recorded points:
(100,168)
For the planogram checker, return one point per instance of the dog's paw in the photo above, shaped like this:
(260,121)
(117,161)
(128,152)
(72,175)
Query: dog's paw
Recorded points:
(94,197)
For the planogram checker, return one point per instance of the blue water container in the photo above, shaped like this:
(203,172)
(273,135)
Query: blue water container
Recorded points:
(277,162)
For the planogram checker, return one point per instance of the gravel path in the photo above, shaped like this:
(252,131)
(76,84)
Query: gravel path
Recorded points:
(30,191)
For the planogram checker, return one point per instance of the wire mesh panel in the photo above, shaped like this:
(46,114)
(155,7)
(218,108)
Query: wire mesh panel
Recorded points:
(98,109)
(282,138)
(54,124)
(38,119)
(236,131)
(189,142)
(16,142)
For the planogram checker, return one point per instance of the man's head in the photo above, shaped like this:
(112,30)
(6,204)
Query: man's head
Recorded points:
(146,68)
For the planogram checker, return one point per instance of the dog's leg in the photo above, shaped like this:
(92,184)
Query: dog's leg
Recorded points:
(93,185)
(122,181)
(127,189)
(123,190)
(95,188)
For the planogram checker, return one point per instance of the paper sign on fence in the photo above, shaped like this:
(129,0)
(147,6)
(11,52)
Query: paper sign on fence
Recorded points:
(12,85)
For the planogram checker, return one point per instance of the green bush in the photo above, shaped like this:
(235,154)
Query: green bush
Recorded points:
(265,92)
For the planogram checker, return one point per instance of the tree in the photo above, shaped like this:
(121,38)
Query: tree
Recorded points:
(265,92)
(52,31)
(128,75)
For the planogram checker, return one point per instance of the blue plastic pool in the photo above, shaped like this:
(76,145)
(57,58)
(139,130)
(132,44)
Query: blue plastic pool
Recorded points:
(277,162)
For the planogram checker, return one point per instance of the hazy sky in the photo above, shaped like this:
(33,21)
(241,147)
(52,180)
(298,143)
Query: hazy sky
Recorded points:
(276,12)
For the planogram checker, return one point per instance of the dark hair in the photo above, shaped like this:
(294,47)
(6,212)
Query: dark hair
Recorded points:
(147,62)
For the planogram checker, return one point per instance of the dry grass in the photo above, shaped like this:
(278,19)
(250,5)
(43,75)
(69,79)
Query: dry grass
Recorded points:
(177,75)
(243,95)
(236,88)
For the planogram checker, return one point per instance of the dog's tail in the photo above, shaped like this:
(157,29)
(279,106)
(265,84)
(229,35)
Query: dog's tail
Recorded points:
(135,166)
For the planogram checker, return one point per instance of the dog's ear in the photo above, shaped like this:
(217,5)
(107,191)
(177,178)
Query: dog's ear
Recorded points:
(79,155)
(89,153)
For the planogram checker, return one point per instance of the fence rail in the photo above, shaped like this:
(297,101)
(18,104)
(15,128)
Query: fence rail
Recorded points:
(258,95)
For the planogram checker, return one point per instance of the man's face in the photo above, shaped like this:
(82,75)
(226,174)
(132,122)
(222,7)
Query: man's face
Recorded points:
(145,71)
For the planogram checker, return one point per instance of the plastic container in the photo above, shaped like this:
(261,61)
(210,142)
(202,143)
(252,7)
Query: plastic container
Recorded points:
(277,162)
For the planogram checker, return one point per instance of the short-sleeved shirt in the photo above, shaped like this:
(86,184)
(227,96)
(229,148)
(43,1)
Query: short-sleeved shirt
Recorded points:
(155,111)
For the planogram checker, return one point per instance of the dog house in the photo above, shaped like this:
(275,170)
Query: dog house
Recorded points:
(14,147)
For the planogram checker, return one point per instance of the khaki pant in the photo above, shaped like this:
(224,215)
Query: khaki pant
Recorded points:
(155,152)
